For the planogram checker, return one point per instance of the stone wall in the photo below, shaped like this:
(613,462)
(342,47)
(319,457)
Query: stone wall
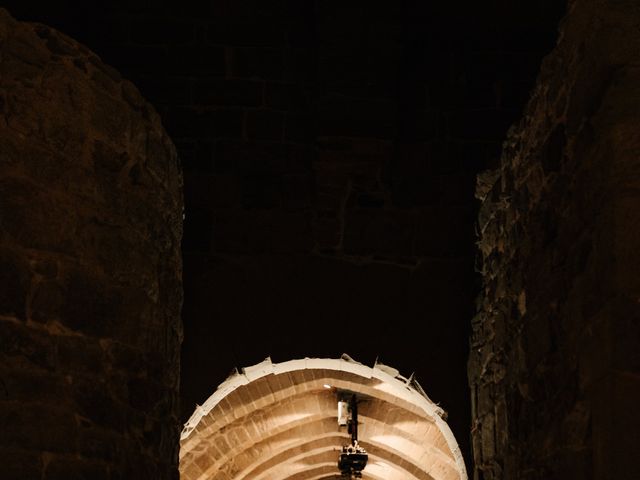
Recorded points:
(90,282)
(554,366)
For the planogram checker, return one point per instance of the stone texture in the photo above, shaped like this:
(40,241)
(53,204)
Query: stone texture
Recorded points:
(551,369)
(277,421)
(90,290)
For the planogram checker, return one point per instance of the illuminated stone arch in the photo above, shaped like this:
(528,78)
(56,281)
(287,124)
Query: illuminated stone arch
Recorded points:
(278,422)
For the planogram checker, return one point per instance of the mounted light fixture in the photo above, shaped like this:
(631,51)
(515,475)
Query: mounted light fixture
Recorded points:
(353,458)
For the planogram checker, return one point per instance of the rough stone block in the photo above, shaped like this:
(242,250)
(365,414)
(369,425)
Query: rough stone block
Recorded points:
(37,427)
(24,346)
(91,218)
(14,284)
(60,468)
(21,464)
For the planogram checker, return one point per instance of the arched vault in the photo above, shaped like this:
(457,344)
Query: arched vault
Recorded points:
(279,422)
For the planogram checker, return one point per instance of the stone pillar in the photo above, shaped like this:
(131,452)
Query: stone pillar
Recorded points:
(90,269)
(554,366)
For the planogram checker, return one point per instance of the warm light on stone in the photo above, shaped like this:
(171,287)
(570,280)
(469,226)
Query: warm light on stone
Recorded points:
(277,421)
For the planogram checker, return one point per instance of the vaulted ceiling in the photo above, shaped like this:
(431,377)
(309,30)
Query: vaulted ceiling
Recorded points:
(279,421)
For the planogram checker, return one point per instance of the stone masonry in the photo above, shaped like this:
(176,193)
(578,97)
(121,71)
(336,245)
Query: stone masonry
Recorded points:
(554,365)
(90,282)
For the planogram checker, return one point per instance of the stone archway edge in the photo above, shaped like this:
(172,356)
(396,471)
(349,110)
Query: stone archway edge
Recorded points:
(401,387)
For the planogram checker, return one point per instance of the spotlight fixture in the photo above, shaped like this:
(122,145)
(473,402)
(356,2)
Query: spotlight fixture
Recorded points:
(343,413)
(353,458)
